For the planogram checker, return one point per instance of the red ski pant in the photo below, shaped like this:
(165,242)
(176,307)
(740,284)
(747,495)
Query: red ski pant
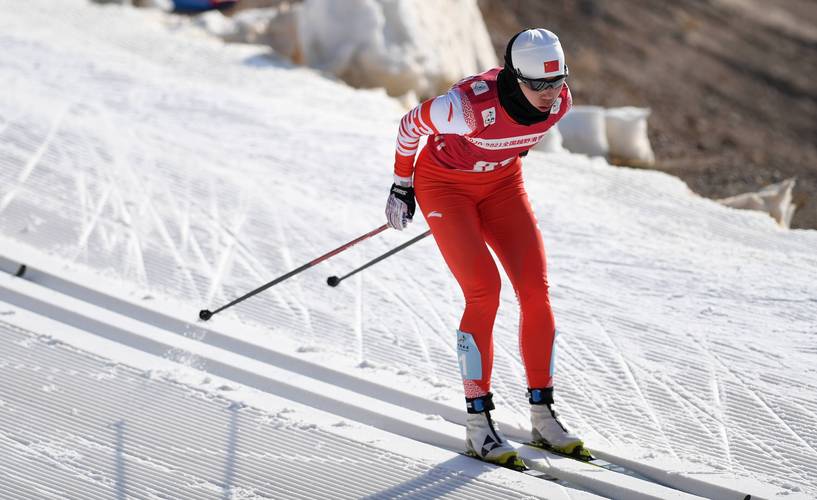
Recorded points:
(466,211)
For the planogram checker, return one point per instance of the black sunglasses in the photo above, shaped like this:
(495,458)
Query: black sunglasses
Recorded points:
(540,84)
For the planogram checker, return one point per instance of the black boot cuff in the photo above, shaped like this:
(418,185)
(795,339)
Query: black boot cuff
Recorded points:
(480,404)
(542,396)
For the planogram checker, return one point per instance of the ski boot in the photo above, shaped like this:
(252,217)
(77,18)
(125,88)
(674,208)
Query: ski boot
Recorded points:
(548,432)
(483,439)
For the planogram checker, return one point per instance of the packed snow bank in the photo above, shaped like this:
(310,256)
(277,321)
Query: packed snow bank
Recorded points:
(619,134)
(583,131)
(626,130)
(774,199)
(403,46)
(552,142)
(274,27)
(412,49)
(165,5)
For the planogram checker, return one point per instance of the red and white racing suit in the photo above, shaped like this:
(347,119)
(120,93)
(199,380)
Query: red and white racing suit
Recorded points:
(468,184)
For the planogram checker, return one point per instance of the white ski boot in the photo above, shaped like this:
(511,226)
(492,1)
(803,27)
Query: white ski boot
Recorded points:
(483,439)
(548,432)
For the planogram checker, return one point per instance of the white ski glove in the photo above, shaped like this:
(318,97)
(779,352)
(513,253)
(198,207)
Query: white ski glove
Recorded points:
(400,205)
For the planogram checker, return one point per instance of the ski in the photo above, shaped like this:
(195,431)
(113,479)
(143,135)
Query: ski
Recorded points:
(520,467)
(579,453)
(595,461)
(513,463)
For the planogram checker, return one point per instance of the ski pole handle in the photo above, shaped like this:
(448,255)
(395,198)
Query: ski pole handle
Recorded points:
(206,314)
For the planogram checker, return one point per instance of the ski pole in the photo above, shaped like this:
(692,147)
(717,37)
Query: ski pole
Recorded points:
(335,281)
(206,314)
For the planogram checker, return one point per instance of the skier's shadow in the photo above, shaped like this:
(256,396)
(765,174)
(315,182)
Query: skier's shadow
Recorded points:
(441,480)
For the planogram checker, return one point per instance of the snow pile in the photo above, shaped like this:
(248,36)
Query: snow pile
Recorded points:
(156,4)
(275,27)
(774,199)
(619,134)
(627,136)
(583,131)
(217,24)
(401,45)
(552,142)
(415,50)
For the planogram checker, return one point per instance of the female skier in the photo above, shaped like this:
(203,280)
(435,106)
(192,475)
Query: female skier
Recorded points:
(468,183)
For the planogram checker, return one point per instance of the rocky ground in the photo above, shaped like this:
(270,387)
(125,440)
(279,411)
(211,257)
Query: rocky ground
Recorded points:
(731,83)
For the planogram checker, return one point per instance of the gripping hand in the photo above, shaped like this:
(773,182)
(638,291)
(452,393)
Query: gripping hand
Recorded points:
(400,206)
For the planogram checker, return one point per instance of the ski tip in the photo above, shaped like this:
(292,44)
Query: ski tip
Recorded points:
(204,314)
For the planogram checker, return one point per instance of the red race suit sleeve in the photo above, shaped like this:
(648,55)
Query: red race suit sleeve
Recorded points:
(443,114)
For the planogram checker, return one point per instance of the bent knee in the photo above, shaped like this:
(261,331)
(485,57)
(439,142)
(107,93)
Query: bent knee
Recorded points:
(485,294)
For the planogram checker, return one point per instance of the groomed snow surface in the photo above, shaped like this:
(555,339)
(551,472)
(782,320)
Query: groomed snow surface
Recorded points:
(145,175)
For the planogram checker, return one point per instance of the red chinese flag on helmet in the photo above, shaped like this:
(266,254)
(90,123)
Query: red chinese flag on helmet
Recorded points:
(551,66)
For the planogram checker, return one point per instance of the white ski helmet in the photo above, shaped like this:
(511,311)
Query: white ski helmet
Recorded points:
(534,54)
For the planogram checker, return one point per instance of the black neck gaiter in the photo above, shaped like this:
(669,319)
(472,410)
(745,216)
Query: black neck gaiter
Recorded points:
(514,101)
